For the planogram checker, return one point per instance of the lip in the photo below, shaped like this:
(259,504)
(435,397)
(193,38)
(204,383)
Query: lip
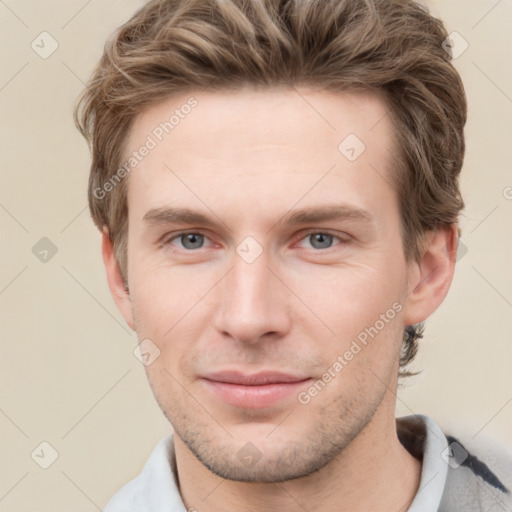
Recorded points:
(256,390)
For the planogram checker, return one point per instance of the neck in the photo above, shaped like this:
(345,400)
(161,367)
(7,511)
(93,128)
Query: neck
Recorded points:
(362,477)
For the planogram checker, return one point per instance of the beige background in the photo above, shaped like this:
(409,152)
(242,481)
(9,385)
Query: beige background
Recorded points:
(68,374)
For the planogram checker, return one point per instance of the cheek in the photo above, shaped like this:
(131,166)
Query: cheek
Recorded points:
(349,299)
(362,362)
(362,306)
(171,309)
(168,298)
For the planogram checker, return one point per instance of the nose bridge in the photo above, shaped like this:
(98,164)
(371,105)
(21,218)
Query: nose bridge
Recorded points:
(251,303)
(250,282)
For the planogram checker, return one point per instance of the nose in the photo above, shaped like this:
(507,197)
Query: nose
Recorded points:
(253,302)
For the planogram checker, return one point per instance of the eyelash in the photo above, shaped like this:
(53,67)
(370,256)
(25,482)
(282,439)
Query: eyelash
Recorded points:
(178,235)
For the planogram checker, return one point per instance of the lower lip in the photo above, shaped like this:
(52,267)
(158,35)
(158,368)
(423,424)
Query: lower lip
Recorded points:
(254,397)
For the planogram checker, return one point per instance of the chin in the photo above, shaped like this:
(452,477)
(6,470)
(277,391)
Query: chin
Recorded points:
(259,458)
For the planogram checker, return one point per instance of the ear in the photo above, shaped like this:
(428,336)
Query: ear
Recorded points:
(431,276)
(116,284)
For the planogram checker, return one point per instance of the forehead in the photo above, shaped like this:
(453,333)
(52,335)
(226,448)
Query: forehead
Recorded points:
(270,142)
(259,115)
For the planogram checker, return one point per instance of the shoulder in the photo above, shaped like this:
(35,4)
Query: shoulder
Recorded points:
(479,474)
(125,499)
(154,488)
(461,471)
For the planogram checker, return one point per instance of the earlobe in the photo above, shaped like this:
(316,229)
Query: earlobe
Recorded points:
(431,276)
(115,280)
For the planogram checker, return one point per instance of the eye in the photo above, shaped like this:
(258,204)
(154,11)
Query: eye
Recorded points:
(321,240)
(189,240)
(193,240)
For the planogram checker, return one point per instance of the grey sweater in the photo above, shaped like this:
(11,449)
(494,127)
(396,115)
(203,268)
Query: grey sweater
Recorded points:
(458,475)
(478,473)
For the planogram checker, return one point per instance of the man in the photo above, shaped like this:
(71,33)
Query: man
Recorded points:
(277,187)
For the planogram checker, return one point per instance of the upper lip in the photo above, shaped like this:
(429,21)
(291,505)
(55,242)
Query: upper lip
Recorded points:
(254,379)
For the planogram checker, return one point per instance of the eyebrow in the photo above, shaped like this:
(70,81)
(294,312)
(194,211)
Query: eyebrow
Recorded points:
(326,213)
(312,215)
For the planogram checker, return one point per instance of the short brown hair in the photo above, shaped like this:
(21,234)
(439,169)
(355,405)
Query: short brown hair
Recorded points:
(391,47)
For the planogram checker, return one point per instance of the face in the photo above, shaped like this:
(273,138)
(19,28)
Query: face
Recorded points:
(265,263)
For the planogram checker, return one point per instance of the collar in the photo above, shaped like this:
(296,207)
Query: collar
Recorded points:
(423,439)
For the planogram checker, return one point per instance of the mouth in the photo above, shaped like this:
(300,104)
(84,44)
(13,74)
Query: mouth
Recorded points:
(254,391)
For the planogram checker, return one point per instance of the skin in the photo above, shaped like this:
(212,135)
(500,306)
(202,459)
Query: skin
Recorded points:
(247,159)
